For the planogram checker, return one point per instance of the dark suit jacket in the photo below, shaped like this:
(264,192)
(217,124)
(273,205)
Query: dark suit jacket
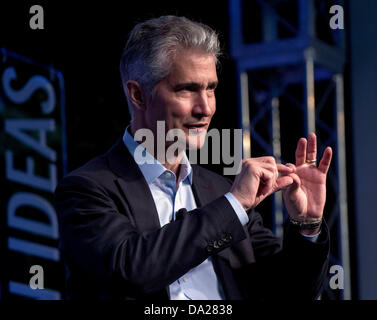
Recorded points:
(114,247)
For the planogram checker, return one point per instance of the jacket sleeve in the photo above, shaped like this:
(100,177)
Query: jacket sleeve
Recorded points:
(104,245)
(293,269)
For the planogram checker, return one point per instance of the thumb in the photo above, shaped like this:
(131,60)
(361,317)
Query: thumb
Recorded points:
(283,182)
(296,181)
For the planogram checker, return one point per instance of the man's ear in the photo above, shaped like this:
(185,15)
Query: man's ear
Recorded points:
(136,94)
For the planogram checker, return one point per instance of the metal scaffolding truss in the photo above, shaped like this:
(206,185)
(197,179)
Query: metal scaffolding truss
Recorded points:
(289,65)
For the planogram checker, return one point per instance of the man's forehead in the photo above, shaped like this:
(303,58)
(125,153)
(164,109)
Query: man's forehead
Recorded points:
(193,66)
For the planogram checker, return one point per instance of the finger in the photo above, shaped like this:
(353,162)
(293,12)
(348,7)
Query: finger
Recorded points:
(301,152)
(284,169)
(270,164)
(324,164)
(311,151)
(291,165)
(283,182)
(266,183)
(267,159)
(272,167)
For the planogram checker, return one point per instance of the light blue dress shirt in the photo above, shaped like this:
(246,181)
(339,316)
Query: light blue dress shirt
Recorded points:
(200,283)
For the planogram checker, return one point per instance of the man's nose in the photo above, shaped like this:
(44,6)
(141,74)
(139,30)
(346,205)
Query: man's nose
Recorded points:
(203,105)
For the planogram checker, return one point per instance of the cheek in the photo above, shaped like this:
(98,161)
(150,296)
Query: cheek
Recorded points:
(213,106)
(180,110)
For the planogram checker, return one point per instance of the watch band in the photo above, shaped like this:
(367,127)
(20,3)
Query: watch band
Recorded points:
(306,225)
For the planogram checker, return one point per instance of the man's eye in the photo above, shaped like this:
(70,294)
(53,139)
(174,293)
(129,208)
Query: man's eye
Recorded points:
(185,90)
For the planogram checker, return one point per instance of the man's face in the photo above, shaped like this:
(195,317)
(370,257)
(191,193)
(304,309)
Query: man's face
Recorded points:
(186,98)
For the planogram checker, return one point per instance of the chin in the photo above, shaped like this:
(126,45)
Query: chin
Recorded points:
(196,141)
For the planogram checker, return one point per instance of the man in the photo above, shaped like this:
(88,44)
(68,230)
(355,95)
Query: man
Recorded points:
(171,230)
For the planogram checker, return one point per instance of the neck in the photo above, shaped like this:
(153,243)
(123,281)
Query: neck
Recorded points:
(162,158)
(173,167)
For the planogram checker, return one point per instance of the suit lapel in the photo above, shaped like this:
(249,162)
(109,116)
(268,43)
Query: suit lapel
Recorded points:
(134,187)
(200,188)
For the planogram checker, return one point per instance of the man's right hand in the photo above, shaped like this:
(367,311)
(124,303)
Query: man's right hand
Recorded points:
(259,177)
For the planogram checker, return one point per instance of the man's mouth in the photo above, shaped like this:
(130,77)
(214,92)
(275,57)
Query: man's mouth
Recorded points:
(196,126)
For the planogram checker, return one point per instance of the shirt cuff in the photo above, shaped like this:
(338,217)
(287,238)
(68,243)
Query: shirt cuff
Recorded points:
(237,207)
(312,238)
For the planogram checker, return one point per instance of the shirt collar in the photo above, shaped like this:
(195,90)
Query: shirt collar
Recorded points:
(151,168)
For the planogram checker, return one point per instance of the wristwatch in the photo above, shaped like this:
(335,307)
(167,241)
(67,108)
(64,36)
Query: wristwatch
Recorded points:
(306,225)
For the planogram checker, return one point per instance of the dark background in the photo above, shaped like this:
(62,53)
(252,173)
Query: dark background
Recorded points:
(84,40)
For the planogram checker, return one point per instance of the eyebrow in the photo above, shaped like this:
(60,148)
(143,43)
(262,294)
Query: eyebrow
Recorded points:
(195,85)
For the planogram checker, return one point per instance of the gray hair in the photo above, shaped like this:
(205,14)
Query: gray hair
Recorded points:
(148,54)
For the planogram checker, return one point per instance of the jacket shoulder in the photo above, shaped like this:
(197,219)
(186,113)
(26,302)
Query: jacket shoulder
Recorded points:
(95,169)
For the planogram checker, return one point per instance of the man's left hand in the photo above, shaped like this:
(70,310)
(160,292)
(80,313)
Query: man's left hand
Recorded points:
(305,198)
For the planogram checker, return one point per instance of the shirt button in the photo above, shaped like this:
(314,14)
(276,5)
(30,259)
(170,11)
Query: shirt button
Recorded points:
(167,175)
